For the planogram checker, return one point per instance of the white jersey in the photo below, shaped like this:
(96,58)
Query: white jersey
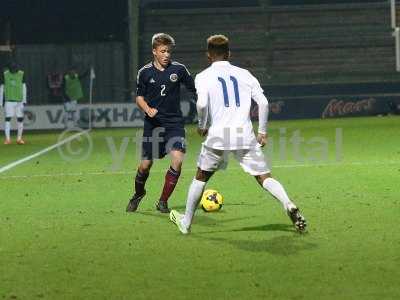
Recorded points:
(224,101)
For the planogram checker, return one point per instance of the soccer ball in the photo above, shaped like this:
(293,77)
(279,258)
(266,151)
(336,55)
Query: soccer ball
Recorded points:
(211,200)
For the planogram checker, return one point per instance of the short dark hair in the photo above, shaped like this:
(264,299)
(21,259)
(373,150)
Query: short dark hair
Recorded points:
(162,39)
(13,65)
(218,46)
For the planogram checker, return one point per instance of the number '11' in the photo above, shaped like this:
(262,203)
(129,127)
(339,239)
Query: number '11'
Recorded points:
(225,90)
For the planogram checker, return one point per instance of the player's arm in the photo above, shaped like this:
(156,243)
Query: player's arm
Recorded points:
(64,91)
(1,89)
(188,82)
(142,104)
(140,101)
(202,106)
(24,90)
(257,94)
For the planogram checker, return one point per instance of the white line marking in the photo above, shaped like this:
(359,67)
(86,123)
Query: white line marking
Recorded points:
(100,173)
(25,159)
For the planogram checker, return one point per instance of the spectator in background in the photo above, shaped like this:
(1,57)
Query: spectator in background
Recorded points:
(72,93)
(54,83)
(13,90)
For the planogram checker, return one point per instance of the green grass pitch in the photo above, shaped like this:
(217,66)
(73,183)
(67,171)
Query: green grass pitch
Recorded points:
(64,233)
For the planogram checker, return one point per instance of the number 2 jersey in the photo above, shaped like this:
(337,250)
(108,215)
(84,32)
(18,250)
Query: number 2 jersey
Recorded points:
(161,90)
(224,94)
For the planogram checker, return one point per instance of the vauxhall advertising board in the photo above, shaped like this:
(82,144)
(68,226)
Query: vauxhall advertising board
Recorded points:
(129,115)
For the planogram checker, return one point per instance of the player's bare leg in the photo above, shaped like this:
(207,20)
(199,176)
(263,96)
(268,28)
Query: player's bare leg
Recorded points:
(171,179)
(7,129)
(145,166)
(177,157)
(194,196)
(20,126)
(140,181)
(276,189)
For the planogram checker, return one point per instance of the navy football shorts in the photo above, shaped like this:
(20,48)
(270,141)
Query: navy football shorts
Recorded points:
(159,141)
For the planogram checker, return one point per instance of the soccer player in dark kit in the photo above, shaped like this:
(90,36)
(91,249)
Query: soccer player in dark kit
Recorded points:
(158,96)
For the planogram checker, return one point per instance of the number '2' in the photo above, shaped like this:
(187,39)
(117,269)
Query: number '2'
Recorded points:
(225,90)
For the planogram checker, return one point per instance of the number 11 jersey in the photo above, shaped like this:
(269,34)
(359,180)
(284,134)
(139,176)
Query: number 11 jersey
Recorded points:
(227,90)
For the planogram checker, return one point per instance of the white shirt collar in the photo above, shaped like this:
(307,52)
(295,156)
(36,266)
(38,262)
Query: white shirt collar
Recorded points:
(221,63)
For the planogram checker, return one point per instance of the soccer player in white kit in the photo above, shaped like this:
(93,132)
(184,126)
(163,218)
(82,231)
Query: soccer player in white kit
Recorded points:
(224,100)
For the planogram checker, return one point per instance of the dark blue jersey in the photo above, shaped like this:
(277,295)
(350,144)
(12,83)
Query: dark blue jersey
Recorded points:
(161,90)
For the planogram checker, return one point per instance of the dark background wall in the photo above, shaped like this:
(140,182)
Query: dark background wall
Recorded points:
(72,21)
(295,48)
(287,45)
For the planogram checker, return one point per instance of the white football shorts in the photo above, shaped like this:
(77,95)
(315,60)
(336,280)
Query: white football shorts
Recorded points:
(14,109)
(252,160)
(70,106)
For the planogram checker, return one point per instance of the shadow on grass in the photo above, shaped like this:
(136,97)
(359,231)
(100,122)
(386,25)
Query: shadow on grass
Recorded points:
(282,245)
(288,244)
(201,218)
(208,219)
(268,227)
(152,213)
(278,245)
(183,207)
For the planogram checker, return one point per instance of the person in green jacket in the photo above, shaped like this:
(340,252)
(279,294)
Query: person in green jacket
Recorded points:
(13,92)
(72,93)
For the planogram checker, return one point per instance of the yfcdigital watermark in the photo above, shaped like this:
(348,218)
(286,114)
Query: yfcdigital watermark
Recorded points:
(282,145)
(294,145)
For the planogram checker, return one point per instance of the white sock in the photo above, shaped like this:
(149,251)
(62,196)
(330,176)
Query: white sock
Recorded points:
(74,118)
(276,189)
(194,196)
(20,126)
(7,128)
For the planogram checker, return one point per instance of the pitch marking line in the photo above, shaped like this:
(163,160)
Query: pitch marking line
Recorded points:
(99,173)
(25,159)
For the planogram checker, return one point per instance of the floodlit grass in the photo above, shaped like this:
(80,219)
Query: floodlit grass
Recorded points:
(64,233)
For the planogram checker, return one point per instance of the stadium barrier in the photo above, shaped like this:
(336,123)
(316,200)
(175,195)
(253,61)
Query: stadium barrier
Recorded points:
(112,115)
(330,107)
(43,117)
